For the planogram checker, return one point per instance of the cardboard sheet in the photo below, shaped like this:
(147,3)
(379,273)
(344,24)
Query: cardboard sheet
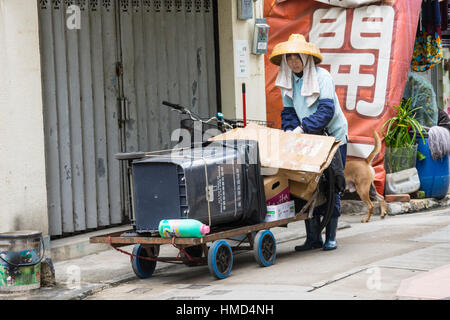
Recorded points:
(303,184)
(285,150)
(300,158)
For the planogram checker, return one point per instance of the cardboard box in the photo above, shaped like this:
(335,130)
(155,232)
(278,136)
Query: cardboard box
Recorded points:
(276,189)
(302,190)
(301,184)
(280,211)
(301,158)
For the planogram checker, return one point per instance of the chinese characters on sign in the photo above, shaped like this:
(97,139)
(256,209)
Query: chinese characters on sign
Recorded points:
(359,59)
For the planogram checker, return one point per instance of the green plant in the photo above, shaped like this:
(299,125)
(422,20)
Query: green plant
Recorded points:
(400,137)
(398,130)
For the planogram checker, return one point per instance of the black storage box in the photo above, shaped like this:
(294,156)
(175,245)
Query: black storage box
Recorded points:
(219,183)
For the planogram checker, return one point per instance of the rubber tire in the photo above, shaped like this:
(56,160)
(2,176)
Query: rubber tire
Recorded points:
(265,248)
(142,268)
(220,253)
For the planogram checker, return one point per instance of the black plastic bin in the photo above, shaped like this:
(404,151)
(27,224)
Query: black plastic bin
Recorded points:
(217,184)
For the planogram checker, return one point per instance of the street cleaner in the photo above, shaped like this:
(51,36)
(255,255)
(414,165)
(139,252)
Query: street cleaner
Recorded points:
(311,106)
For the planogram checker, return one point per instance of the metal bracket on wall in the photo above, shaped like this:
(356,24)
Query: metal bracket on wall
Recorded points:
(124,113)
(119,69)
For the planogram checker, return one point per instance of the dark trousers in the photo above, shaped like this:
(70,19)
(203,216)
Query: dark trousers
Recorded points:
(321,210)
(337,201)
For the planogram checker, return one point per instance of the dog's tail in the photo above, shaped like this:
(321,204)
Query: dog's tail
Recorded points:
(376,149)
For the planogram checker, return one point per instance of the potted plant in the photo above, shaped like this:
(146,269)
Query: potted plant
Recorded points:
(400,138)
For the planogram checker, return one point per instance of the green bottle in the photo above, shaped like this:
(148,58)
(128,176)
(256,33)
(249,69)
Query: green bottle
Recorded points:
(182,228)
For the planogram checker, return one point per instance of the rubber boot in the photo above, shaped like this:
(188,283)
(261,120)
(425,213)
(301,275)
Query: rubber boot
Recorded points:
(330,234)
(313,236)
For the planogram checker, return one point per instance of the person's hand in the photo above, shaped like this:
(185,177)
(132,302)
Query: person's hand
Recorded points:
(298,130)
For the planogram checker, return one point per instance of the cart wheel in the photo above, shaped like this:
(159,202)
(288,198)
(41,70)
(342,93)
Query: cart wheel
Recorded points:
(264,248)
(141,267)
(220,259)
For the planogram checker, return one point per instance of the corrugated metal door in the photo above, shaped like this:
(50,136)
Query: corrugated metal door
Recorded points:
(102,90)
(80,91)
(168,53)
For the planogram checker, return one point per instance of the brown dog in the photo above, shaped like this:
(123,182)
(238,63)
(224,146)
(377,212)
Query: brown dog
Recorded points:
(359,176)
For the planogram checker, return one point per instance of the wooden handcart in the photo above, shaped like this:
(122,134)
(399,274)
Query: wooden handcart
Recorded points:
(212,249)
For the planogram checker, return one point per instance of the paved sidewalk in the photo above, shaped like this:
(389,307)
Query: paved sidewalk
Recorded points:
(434,284)
(110,268)
(90,272)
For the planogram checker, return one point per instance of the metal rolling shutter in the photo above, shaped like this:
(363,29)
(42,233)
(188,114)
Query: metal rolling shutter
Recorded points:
(166,51)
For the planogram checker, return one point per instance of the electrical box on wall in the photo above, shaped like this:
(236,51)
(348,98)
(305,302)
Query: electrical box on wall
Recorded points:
(245,9)
(260,37)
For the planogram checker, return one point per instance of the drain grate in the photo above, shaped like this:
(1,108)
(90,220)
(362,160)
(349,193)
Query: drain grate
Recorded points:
(183,298)
(219,292)
(139,290)
(196,286)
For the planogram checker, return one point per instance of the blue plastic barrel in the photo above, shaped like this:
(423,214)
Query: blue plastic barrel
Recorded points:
(433,174)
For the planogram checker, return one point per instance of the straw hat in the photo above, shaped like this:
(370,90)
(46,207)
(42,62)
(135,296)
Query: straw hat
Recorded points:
(295,44)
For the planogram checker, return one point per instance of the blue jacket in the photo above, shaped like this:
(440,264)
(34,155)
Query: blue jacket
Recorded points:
(324,113)
(313,124)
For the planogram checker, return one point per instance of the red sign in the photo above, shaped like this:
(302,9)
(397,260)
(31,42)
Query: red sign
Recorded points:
(368,52)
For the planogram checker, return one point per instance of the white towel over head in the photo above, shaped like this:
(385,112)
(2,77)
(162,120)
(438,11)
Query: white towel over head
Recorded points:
(310,88)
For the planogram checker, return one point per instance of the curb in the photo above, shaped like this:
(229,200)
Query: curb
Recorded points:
(357,207)
(417,205)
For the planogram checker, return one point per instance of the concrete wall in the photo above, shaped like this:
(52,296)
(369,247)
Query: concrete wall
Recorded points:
(436,77)
(23,196)
(231,29)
